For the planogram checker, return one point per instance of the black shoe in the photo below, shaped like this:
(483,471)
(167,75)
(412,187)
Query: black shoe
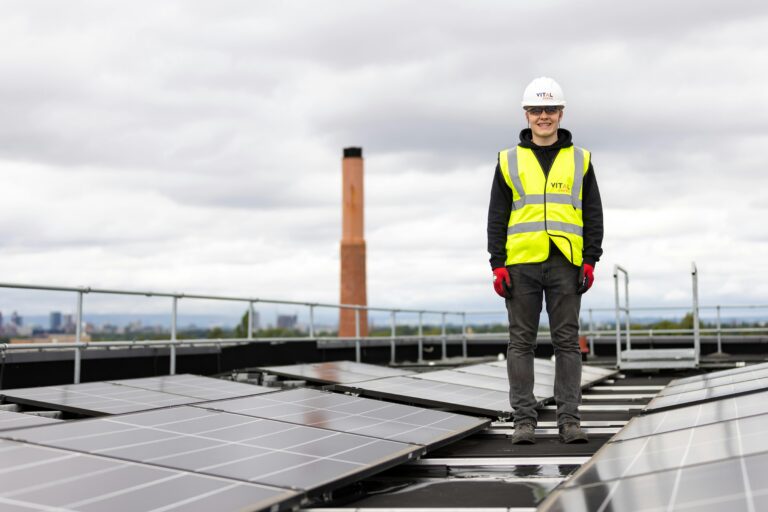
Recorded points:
(571,433)
(525,433)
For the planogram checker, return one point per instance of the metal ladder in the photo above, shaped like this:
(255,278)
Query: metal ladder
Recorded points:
(655,358)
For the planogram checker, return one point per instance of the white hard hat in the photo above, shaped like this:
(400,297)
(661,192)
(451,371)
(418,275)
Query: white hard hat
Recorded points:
(543,91)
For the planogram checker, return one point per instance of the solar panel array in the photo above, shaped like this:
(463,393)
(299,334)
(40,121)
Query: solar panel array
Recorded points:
(226,445)
(709,455)
(264,451)
(122,396)
(41,478)
(715,386)
(335,372)
(356,415)
(478,389)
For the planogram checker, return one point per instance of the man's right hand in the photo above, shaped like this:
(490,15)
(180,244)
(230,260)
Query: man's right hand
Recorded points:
(502,282)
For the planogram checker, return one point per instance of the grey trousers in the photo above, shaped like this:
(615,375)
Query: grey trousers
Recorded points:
(556,280)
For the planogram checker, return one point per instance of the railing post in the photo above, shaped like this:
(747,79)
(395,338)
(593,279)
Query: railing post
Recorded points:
(78,336)
(250,320)
(393,334)
(174,317)
(464,335)
(719,333)
(311,320)
(696,327)
(618,317)
(421,336)
(626,305)
(357,335)
(444,341)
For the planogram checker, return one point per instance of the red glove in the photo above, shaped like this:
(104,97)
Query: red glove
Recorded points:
(502,282)
(586,278)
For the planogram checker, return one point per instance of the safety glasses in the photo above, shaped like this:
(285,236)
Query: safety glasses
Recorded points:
(537,111)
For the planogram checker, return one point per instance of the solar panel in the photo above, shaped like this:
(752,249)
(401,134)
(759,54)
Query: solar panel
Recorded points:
(721,373)
(715,382)
(9,420)
(41,478)
(541,391)
(195,386)
(733,484)
(357,415)
(676,449)
(93,398)
(336,372)
(436,394)
(228,445)
(661,403)
(695,415)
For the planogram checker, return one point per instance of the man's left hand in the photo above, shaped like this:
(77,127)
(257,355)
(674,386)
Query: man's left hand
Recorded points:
(586,278)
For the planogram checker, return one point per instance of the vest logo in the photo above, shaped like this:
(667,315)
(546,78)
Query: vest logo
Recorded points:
(560,187)
(545,95)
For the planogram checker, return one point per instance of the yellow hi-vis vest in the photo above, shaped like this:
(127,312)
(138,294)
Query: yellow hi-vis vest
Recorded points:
(544,209)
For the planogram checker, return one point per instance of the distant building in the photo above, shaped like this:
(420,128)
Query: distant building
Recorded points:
(1,321)
(56,321)
(16,319)
(287,321)
(256,321)
(68,324)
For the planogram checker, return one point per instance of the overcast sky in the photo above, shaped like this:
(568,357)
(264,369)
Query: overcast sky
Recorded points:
(196,146)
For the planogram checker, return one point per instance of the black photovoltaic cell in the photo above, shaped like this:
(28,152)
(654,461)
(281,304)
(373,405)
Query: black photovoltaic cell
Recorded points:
(713,382)
(704,395)
(227,445)
(37,478)
(336,372)
(733,484)
(195,386)
(356,415)
(94,398)
(442,394)
(677,449)
(695,415)
(722,373)
(9,420)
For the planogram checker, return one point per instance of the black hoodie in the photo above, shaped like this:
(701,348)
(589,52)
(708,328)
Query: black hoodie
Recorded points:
(501,203)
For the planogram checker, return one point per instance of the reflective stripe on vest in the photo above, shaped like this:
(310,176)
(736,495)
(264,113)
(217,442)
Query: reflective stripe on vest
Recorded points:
(544,208)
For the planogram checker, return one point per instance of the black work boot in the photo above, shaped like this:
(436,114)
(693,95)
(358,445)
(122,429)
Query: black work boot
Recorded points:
(525,433)
(571,433)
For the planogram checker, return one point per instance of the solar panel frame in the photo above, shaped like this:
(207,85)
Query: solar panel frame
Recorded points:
(45,478)
(357,415)
(93,398)
(227,445)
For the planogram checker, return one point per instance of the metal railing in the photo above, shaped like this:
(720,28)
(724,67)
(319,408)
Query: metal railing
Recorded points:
(79,345)
(443,338)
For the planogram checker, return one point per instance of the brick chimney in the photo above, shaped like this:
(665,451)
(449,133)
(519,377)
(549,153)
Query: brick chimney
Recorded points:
(353,287)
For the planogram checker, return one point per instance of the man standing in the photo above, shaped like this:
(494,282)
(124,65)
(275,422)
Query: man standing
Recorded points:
(545,230)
